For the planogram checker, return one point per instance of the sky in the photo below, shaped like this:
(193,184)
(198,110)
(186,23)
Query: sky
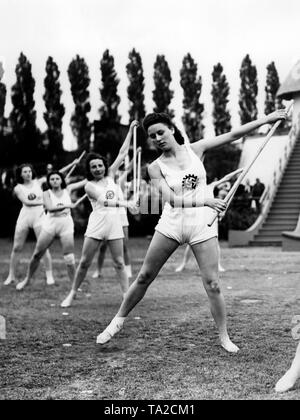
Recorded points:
(211,31)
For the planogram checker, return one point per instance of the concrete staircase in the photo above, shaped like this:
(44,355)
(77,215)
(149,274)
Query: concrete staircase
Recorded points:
(284,212)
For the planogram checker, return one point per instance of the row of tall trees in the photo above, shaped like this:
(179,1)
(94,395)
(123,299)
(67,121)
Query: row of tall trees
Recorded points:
(31,144)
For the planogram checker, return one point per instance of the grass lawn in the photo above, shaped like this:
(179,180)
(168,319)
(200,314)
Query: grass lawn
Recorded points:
(168,348)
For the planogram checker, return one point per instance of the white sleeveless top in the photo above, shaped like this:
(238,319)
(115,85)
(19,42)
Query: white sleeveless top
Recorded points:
(64,200)
(189,182)
(32,192)
(108,191)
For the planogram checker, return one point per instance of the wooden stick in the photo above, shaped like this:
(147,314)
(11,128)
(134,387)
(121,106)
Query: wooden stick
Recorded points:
(134,161)
(139,157)
(80,200)
(235,186)
(75,164)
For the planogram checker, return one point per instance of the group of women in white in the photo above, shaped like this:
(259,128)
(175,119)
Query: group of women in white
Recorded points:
(181,178)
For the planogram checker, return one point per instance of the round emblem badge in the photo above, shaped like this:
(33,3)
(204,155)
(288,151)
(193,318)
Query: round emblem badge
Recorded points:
(110,195)
(190,182)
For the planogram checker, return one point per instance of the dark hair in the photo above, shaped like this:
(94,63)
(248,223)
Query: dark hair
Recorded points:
(91,156)
(62,177)
(19,169)
(163,118)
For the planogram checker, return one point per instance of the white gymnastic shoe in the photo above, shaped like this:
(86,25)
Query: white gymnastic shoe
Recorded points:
(113,328)
(96,275)
(21,284)
(50,281)
(287,382)
(67,302)
(8,281)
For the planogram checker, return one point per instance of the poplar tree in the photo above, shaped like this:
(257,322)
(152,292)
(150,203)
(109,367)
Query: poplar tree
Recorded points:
(55,110)
(271,88)
(109,90)
(108,137)
(248,91)
(79,79)
(221,160)
(220,92)
(23,114)
(191,84)
(162,94)
(136,86)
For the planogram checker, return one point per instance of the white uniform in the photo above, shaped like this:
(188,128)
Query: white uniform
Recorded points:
(30,217)
(105,222)
(187,225)
(122,210)
(59,223)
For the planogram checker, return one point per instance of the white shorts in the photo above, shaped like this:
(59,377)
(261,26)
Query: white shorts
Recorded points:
(30,218)
(124,219)
(187,227)
(104,226)
(58,226)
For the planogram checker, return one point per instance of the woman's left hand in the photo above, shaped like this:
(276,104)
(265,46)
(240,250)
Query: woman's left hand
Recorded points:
(279,114)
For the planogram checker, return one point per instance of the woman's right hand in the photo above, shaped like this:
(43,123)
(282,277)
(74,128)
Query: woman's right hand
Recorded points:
(216,204)
(133,124)
(133,207)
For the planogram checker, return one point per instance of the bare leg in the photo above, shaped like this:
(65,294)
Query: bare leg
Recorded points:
(158,253)
(127,258)
(47,260)
(100,259)
(220,268)
(206,254)
(186,256)
(67,243)
(43,243)
(18,245)
(89,249)
(289,379)
(116,249)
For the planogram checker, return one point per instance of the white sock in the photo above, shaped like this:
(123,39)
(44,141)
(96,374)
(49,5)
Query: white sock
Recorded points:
(9,280)
(68,300)
(49,277)
(115,326)
(128,270)
(287,381)
(180,268)
(22,284)
(228,345)
(96,274)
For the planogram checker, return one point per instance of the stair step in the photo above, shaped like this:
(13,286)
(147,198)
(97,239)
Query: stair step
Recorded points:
(290,188)
(265,243)
(279,217)
(280,222)
(268,238)
(284,193)
(286,212)
(288,200)
(269,230)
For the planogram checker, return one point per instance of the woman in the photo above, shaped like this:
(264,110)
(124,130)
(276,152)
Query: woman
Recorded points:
(121,181)
(58,222)
(181,178)
(29,191)
(104,221)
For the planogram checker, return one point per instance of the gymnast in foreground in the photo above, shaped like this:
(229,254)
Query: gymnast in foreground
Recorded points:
(181,178)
